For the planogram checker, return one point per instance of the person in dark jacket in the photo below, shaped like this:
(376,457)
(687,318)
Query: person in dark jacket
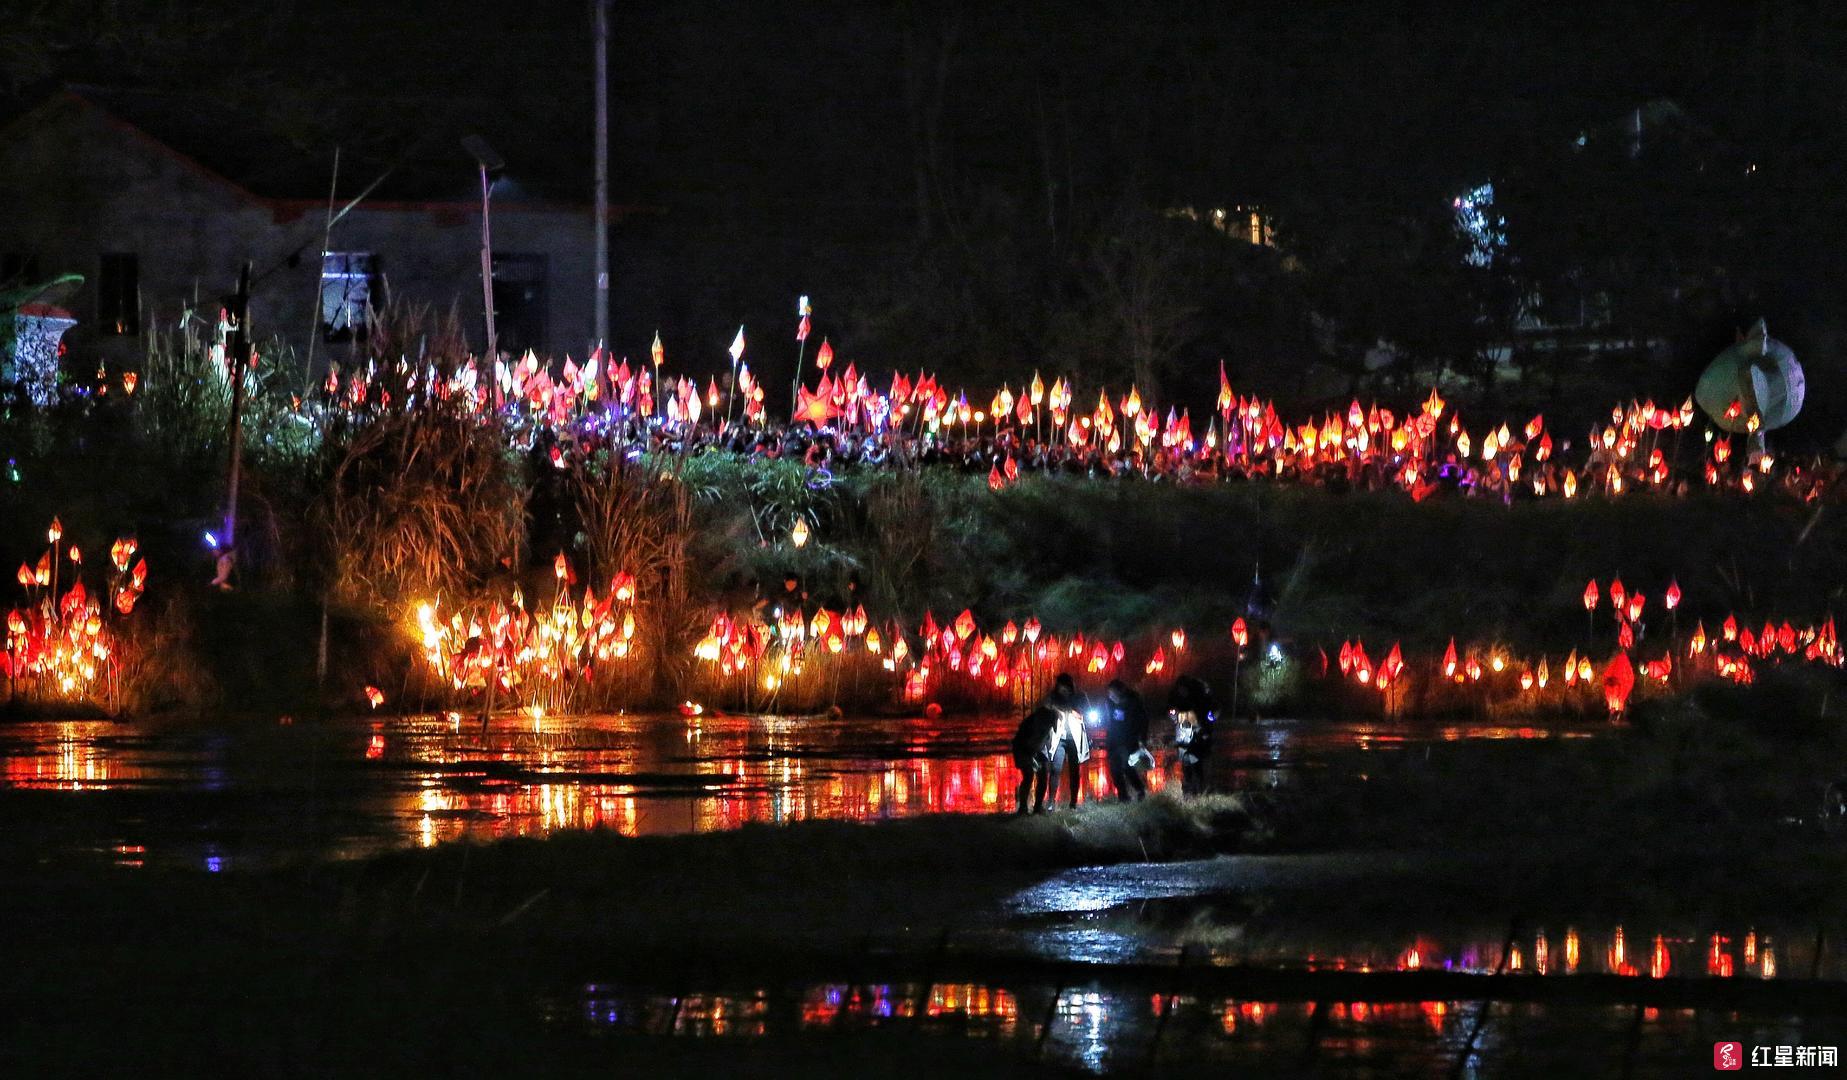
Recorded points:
(1191,707)
(1034,745)
(1125,727)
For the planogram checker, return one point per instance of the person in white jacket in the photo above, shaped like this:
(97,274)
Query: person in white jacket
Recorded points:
(1072,738)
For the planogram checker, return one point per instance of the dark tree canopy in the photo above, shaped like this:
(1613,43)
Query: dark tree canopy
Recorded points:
(982,188)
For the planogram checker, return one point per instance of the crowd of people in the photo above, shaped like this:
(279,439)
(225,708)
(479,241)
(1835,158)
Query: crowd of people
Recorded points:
(1053,741)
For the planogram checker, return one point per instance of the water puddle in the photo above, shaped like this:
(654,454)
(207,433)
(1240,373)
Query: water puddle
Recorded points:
(236,796)
(1097,1028)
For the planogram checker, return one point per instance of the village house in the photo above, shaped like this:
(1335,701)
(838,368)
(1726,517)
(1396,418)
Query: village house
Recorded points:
(157,204)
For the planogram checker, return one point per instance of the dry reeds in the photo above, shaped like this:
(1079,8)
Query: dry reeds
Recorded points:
(422,502)
(637,518)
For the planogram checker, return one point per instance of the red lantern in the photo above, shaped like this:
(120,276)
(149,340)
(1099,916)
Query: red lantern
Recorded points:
(1240,633)
(1618,683)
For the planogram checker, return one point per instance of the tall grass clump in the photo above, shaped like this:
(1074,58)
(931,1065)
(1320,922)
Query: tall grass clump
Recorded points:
(637,517)
(418,503)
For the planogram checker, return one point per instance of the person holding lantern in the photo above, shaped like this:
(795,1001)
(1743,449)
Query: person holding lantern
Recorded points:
(1125,723)
(1190,705)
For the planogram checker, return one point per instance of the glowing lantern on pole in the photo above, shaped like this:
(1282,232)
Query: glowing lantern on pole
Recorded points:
(1618,683)
(1240,633)
(1729,628)
(1178,637)
(1449,660)
(1697,644)
(1672,597)
(375,696)
(799,534)
(1617,595)
(1636,602)
(1032,630)
(1591,595)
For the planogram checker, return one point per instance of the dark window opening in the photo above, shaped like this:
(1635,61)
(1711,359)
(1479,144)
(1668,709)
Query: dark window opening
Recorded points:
(347,278)
(118,294)
(520,302)
(18,268)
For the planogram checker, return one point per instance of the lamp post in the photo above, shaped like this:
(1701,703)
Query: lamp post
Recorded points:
(489,162)
(602,194)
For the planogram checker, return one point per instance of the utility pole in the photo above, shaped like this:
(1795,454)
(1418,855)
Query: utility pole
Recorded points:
(487,278)
(237,358)
(602,194)
(488,161)
(320,278)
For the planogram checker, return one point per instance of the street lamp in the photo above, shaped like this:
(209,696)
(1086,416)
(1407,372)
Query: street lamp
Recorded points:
(489,162)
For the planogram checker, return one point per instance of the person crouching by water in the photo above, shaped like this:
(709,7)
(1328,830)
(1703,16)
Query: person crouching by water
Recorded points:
(1072,739)
(1125,725)
(1034,747)
(1189,703)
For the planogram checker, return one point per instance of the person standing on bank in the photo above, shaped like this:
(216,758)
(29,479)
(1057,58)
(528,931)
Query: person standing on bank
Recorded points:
(1072,737)
(1125,726)
(1190,705)
(1034,746)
